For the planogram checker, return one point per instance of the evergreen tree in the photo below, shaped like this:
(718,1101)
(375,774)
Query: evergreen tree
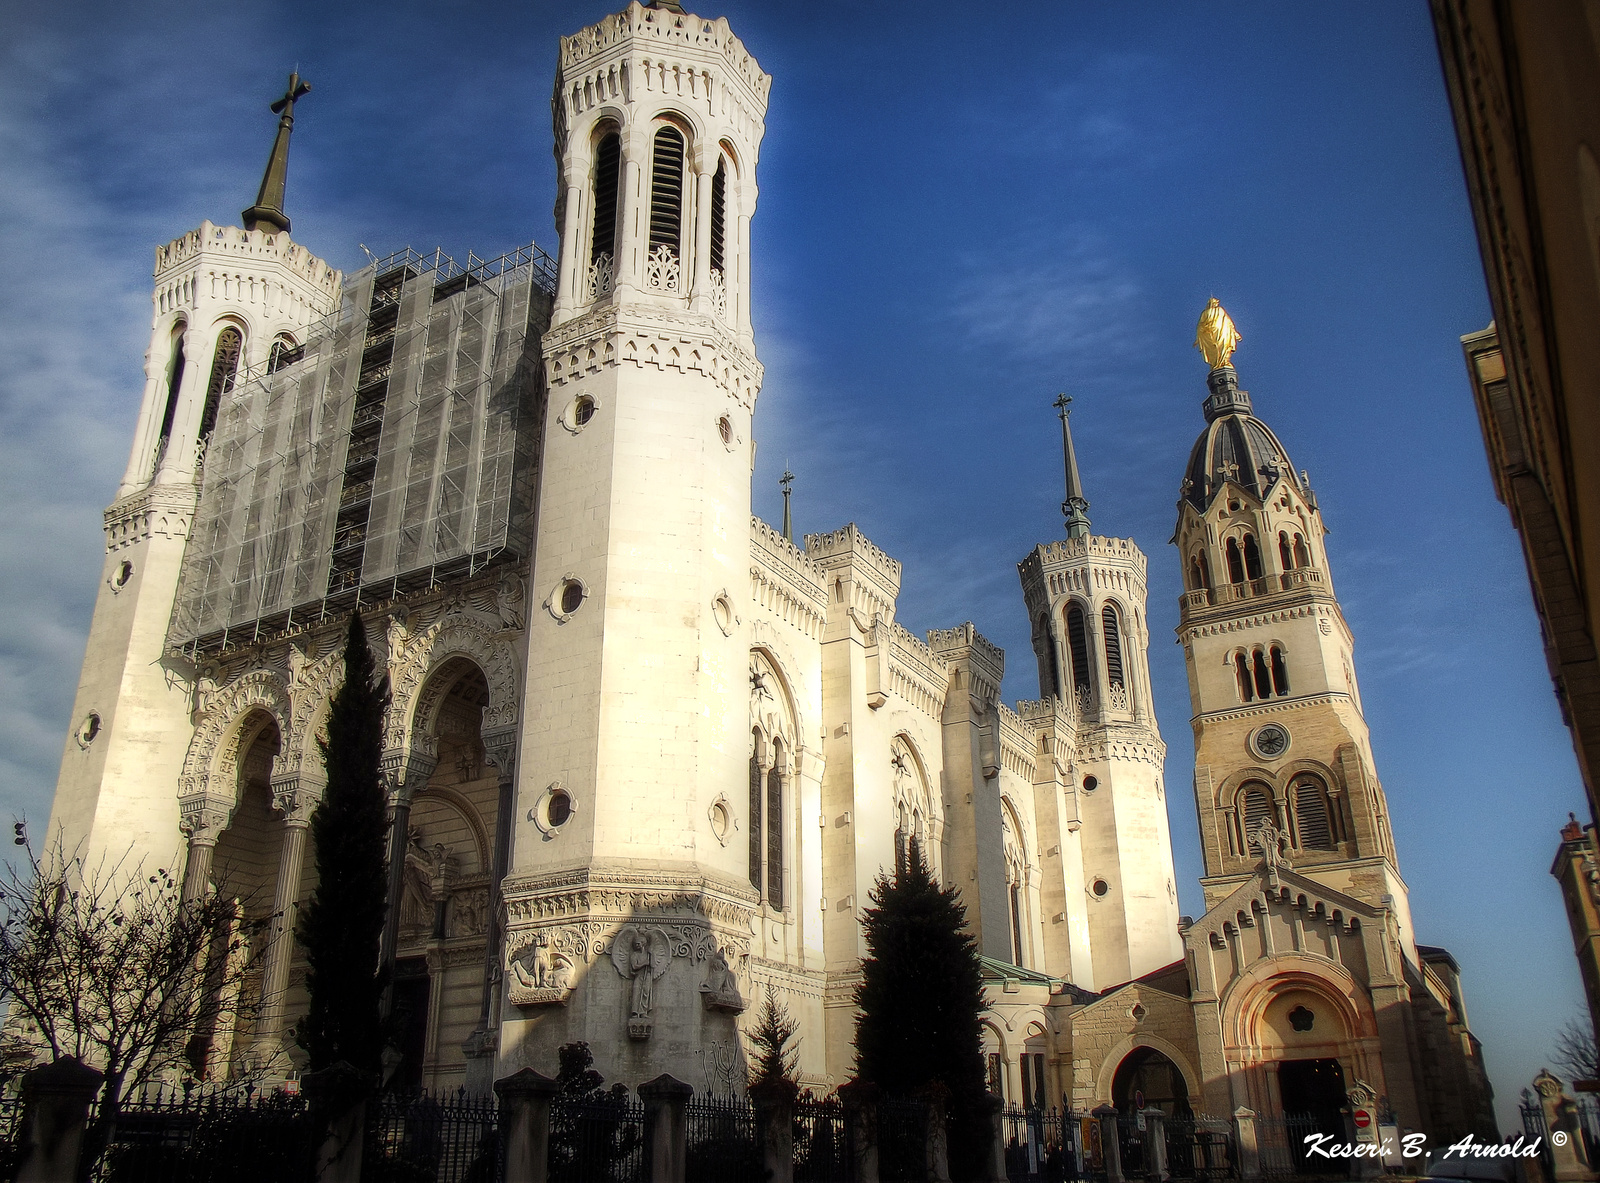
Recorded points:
(342,924)
(772,1073)
(921,1002)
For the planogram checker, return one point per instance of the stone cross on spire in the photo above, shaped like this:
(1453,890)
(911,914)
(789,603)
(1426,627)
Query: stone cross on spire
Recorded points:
(268,210)
(1075,508)
(784,482)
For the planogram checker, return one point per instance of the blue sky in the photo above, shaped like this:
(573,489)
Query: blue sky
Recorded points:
(964,210)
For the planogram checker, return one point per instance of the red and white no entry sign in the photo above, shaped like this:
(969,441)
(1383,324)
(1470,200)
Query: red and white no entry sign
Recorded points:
(1363,1119)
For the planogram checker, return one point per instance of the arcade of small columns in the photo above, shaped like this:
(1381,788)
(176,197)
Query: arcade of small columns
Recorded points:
(254,767)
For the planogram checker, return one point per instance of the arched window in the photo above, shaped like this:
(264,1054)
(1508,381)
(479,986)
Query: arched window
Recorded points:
(666,208)
(756,848)
(1285,555)
(1044,649)
(1311,814)
(174,384)
(1016,876)
(1263,676)
(1252,557)
(1280,672)
(1113,641)
(284,352)
(1257,802)
(719,206)
(1078,641)
(1200,572)
(1241,665)
(607,176)
(224,367)
(1016,923)
(775,826)
(1302,556)
(902,839)
(1235,562)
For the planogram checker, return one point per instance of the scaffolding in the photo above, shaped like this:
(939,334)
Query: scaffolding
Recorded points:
(397,447)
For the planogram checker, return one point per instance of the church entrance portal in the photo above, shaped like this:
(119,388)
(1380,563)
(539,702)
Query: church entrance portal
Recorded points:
(1313,1095)
(1145,1074)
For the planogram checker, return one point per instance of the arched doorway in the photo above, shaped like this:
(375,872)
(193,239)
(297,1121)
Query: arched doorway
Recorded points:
(1148,1079)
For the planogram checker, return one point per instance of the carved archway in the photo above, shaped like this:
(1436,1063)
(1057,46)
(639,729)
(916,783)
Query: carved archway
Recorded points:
(225,723)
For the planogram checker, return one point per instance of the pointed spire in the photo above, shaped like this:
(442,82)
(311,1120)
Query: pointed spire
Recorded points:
(1075,508)
(784,482)
(268,212)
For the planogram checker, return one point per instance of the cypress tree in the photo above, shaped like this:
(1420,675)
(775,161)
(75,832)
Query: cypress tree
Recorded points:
(921,1003)
(342,924)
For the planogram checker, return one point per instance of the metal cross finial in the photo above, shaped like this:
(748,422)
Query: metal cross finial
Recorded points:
(1063,401)
(1076,507)
(297,89)
(268,209)
(784,482)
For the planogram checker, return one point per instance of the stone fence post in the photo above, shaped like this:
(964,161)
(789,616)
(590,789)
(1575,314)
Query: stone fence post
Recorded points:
(861,1115)
(666,1128)
(1155,1146)
(55,1108)
(997,1139)
(936,1131)
(775,1134)
(525,1098)
(338,1098)
(1110,1142)
(1244,1127)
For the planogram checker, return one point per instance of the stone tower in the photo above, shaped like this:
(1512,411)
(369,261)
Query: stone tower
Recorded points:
(632,779)
(1086,598)
(1279,733)
(226,300)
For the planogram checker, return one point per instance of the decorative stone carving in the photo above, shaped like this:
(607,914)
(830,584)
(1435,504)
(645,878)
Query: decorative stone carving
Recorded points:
(539,975)
(202,817)
(469,913)
(1273,844)
(720,990)
(641,954)
(509,598)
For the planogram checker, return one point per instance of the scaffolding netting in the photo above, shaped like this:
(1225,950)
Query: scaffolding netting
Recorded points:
(396,447)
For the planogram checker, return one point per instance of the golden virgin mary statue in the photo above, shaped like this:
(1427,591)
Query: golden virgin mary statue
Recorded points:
(1215,336)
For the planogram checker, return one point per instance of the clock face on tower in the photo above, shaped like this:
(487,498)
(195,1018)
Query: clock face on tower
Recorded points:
(1270,742)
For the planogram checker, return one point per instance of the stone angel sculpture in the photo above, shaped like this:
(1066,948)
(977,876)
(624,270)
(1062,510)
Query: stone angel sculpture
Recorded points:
(641,955)
(1215,336)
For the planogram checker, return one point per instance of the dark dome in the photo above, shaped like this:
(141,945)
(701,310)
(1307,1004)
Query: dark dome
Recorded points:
(1234,446)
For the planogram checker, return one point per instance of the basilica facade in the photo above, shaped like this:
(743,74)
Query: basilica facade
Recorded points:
(648,754)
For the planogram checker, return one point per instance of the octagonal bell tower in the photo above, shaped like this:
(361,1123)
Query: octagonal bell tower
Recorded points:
(630,826)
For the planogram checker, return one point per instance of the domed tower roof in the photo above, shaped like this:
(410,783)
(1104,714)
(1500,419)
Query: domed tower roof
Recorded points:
(1234,446)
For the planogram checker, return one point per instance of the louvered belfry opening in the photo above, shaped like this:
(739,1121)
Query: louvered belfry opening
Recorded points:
(224,367)
(174,385)
(1078,639)
(1257,809)
(1311,812)
(719,205)
(607,177)
(1108,618)
(666,191)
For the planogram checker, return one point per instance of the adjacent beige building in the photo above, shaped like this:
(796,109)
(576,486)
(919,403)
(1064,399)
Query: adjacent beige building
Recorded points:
(647,755)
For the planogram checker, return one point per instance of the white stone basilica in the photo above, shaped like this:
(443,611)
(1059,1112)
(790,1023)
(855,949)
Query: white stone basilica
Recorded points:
(647,755)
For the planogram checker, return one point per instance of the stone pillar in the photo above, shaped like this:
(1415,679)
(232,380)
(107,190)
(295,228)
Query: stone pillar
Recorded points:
(702,233)
(997,1139)
(937,1136)
(55,1107)
(666,1129)
(525,1105)
(1249,1151)
(406,772)
(338,1097)
(1110,1142)
(199,345)
(861,1115)
(1155,1146)
(775,1133)
(500,747)
(202,820)
(633,206)
(574,270)
(280,951)
(1564,1133)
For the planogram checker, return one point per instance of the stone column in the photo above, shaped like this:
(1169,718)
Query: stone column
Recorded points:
(936,1132)
(500,748)
(1249,1151)
(1155,1146)
(202,820)
(1110,1142)
(55,1108)
(861,1115)
(997,1140)
(631,202)
(289,798)
(405,771)
(666,1129)
(574,259)
(775,1134)
(742,320)
(525,1103)
(702,234)
(177,466)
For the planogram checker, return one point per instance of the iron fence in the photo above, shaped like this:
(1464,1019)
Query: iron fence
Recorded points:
(1281,1141)
(422,1138)
(1036,1146)
(722,1141)
(596,1139)
(1201,1148)
(201,1136)
(824,1147)
(902,1140)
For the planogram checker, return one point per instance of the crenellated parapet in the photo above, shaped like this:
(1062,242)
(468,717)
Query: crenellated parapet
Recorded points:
(255,269)
(965,645)
(785,582)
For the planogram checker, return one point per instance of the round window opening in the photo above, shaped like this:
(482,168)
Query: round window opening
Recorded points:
(1090,784)
(571,596)
(124,573)
(1302,1019)
(583,410)
(722,611)
(725,430)
(558,810)
(88,729)
(1100,888)
(719,820)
